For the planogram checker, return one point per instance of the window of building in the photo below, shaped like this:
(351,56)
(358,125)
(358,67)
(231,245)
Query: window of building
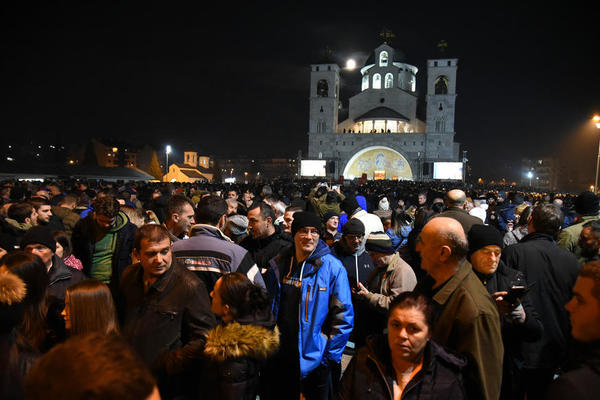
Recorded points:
(322,88)
(376,81)
(365,82)
(449,63)
(383,59)
(389,80)
(441,85)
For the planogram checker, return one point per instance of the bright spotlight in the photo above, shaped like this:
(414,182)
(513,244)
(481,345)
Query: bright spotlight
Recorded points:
(350,64)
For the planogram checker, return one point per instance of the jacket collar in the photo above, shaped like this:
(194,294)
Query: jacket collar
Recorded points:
(464,269)
(208,230)
(536,236)
(162,282)
(58,271)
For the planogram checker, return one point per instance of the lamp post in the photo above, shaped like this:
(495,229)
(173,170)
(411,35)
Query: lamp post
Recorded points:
(596,120)
(530,176)
(167,152)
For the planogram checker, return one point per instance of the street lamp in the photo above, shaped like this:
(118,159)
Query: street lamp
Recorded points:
(596,120)
(530,176)
(167,152)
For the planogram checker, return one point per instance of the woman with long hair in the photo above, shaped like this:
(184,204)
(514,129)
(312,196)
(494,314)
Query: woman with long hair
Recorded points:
(33,332)
(239,347)
(89,308)
(64,250)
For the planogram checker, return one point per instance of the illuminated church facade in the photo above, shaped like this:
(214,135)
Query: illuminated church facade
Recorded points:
(382,136)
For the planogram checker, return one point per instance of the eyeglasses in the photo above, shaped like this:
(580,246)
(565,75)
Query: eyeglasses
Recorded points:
(307,233)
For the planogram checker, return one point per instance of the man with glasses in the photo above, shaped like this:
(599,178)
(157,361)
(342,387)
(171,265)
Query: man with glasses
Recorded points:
(314,314)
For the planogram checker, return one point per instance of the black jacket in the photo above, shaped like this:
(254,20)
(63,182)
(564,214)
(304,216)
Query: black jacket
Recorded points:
(582,382)
(83,245)
(168,325)
(513,333)
(236,354)
(60,277)
(264,249)
(370,374)
(366,322)
(553,272)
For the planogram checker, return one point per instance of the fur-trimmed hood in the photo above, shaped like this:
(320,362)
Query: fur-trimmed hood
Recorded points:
(12,288)
(235,340)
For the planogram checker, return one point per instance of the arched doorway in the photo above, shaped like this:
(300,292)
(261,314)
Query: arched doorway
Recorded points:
(378,162)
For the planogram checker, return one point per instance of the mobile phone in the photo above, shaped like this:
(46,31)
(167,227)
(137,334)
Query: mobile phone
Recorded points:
(516,293)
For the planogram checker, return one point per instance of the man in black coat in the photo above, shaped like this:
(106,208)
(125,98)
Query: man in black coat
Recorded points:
(583,381)
(552,272)
(165,313)
(519,321)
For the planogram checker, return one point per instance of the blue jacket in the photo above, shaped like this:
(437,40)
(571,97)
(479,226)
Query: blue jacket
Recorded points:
(325,313)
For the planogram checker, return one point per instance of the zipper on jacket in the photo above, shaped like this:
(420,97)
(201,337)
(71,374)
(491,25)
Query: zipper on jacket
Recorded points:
(382,376)
(306,307)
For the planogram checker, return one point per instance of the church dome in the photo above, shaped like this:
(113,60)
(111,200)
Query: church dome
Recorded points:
(395,56)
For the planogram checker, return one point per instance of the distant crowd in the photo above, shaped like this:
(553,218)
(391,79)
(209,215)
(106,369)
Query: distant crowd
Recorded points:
(297,290)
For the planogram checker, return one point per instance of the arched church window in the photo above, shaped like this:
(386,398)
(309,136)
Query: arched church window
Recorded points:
(441,85)
(383,59)
(365,82)
(389,81)
(322,88)
(376,81)
(440,125)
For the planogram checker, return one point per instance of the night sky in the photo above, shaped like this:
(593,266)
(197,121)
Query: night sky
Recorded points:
(235,80)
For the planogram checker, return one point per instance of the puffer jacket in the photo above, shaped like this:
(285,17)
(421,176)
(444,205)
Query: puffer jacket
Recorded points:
(370,374)
(325,313)
(236,354)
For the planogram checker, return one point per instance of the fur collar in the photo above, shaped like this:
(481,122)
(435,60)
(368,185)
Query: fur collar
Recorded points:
(235,340)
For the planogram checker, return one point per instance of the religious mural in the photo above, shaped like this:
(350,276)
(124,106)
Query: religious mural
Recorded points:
(378,162)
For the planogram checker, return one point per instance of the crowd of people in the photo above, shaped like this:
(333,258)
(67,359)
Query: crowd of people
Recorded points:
(297,289)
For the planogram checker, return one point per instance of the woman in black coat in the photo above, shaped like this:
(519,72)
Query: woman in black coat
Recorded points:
(406,364)
(237,349)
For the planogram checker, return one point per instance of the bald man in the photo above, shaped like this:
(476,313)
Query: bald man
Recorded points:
(467,320)
(455,201)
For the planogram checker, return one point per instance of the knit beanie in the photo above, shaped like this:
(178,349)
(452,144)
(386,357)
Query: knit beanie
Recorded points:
(12,294)
(587,203)
(328,215)
(349,204)
(483,235)
(238,224)
(303,219)
(380,242)
(354,227)
(39,235)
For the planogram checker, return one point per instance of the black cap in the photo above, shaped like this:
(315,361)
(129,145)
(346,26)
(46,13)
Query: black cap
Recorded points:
(353,227)
(303,219)
(483,235)
(349,204)
(329,214)
(39,235)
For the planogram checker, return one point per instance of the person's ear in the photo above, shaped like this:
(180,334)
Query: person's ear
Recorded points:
(222,222)
(445,253)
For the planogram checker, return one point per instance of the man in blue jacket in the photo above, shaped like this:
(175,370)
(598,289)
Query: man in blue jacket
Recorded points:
(314,314)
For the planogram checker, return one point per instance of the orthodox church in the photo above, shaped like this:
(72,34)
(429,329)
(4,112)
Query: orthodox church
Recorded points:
(382,137)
